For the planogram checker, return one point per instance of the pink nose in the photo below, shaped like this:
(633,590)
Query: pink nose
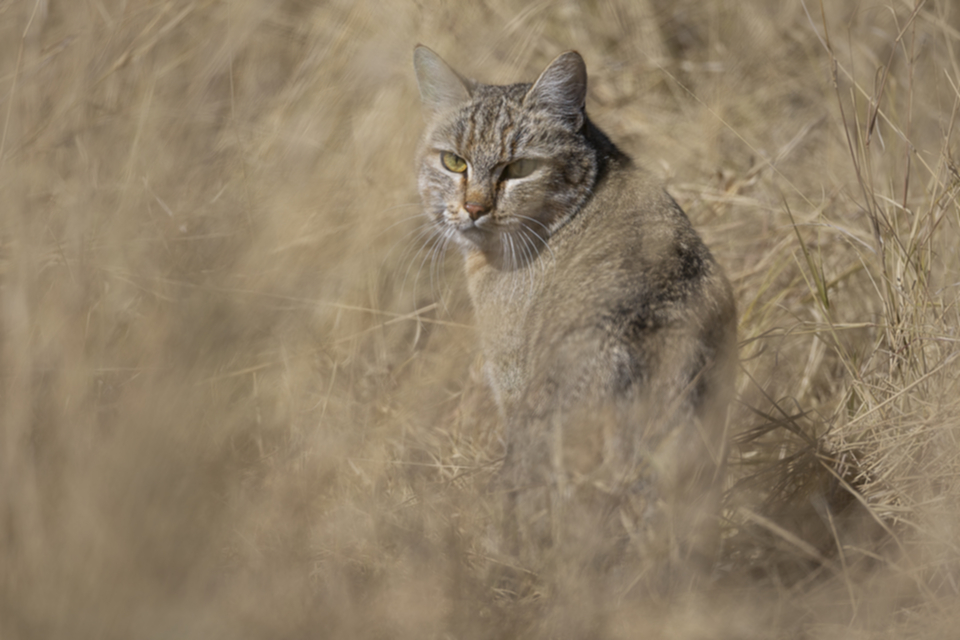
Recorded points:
(475,210)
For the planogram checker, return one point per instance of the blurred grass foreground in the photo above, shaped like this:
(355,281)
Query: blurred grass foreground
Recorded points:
(238,392)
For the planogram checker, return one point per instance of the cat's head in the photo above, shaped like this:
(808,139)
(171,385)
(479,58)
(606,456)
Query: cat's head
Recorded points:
(503,167)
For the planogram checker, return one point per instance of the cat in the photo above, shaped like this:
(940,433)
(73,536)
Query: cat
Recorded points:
(607,327)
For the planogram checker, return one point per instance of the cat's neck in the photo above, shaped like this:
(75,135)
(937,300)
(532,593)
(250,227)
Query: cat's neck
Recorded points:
(607,155)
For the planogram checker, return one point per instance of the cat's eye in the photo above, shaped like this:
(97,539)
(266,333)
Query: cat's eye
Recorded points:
(453,162)
(521,168)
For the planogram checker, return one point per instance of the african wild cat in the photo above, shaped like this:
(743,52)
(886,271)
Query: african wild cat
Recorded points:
(608,330)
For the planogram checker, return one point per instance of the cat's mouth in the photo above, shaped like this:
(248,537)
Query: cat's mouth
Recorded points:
(507,242)
(472,230)
(464,223)
(480,232)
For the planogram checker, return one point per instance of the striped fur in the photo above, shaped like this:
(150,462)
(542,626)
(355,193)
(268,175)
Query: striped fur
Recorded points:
(608,329)
(493,127)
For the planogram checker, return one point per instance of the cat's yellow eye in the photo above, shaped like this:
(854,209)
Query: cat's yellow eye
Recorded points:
(453,162)
(521,168)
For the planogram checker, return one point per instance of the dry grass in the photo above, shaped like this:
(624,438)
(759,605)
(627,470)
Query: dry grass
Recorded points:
(238,399)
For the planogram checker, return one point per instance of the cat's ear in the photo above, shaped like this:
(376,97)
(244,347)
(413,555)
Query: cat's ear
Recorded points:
(561,88)
(440,86)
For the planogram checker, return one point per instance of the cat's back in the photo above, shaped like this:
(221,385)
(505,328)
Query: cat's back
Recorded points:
(632,297)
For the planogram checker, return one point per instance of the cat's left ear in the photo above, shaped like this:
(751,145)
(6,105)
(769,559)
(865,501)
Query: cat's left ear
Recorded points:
(562,88)
(441,87)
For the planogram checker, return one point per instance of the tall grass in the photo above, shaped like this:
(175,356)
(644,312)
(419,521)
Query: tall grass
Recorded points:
(240,393)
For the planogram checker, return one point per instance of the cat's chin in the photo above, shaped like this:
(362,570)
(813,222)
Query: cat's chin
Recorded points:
(473,238)
(501,250)
(470,237)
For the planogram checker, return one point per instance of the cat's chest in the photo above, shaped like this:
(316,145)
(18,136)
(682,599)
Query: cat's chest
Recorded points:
(508,310)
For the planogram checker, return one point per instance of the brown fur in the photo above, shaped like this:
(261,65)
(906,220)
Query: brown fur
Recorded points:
(608,329)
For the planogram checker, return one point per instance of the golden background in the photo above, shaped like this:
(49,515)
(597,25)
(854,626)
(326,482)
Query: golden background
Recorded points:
(239,390)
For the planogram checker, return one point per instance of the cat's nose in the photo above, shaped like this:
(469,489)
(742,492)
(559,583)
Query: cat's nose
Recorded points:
(476,210)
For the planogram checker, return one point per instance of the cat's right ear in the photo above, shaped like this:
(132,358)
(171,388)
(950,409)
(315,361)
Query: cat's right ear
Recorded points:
(441,87)
(562,88)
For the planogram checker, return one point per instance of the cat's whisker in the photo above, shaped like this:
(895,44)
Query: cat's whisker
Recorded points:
(435,252)
(436,262)
(423,233)
(530,250)
(537,235)
(422,252)
(524,266)
(506,256)
(391,269)
(448,238)
(530,262)
(416,216)
(404,240)
(521,265)
(426,248)
(514,267)
(531,219)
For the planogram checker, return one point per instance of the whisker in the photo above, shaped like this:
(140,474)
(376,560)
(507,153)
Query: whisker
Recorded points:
(529,250)
(423,233)
(434,253)
(520,262)
(449,238)
(537,235)
(404,240)
(418,214)
(517,275)
(436,263)
(426,248)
